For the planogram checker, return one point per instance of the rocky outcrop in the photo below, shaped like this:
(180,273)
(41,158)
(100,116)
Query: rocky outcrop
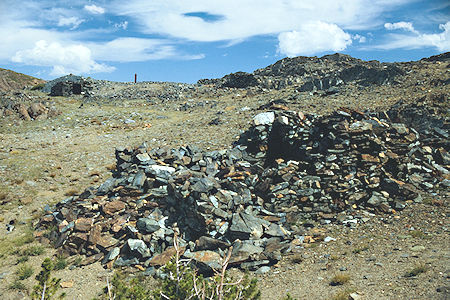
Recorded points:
(26,107)
(314,74)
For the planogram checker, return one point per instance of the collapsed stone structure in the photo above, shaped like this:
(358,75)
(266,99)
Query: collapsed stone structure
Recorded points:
(69,88)
(287,168)
(68,85)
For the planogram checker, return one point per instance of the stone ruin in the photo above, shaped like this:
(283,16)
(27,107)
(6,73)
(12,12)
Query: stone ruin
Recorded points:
(287,169)
(69,88)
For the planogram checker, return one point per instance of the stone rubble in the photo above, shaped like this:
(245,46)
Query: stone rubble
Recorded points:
(309,74)
(27,107)
(286,169)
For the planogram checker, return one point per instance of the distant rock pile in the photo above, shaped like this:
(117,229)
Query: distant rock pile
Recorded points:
(313,74)
(287,168)
(26,107)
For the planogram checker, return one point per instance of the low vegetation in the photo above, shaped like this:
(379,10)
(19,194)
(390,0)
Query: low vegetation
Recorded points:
(340,279)
(419,269)
(180,281)
(47,286)
(343,294)
(24,272)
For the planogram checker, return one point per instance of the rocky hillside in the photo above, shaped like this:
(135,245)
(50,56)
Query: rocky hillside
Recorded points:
(10,80)
(326,73)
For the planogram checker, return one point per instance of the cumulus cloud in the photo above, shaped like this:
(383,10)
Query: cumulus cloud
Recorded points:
(313,38)
(359,38)
(408,26)
(440,41)
(70,21)
(63,59)
(94,9)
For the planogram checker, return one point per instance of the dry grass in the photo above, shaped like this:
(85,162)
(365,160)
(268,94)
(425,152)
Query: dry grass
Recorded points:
(418,234)
(71,192)
(3,196)
(296,258)
(360,249)
(343,294)
(340,279)
(418,269)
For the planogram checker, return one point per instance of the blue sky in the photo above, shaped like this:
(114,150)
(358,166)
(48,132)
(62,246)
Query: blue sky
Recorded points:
(183,41)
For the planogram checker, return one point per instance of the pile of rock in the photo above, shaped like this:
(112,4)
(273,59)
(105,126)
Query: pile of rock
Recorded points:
(313,74)
(287,168)
(68,88)
(26,107)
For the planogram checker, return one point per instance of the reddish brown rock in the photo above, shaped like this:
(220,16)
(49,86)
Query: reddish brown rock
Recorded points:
(22,110)
(369,158)
(113,207)
(95,234)
(164,258)
(83,224)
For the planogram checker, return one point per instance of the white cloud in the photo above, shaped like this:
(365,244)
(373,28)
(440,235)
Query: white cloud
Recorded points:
(94,9)
(132,50)
(408,26)
(313,38)
(123,25)
(70,21)
(63,59)
(254,17)
(359,38)
(440,41)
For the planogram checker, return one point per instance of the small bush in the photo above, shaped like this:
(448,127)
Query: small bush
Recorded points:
(38,87)
(17,285)
(71,192)
(340,279)
(416,271)
(22,259)
(296,258)
(183,282)
(60,263)
(77,261)
(47,286)
(418,234)
(33,251)
(288,297)
(24,272)
(25,238)
(123,290)
(344,294)
(360,249)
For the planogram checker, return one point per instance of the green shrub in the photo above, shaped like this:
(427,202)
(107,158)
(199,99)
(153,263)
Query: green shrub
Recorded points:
(38,87)
(24,271)
(123,289)
(47,286)
(33,251)
(60,263)
(17,285)
(183,282)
